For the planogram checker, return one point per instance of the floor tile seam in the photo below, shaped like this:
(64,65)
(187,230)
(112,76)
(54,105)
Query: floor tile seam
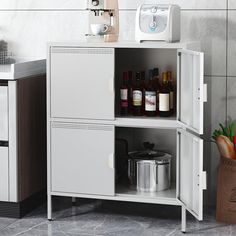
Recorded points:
(99,225)
(174,230)
(6,226)
(133,220)
(29,229)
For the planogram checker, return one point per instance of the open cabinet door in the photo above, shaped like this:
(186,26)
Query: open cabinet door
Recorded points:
(191,179)
(191,90)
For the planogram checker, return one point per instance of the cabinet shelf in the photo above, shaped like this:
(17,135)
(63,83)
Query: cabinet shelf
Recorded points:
(147,122)
(162,197)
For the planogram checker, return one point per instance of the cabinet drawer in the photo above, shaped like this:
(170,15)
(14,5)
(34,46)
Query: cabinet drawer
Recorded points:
(4,180)
(82,83)
(82,159)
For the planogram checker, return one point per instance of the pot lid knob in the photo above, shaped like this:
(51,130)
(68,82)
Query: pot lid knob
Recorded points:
(148,145)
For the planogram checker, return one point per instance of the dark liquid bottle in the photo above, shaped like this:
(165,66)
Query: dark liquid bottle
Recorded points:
(124,95)
(130,92)
(150,96)
(164,97)
(137,96)
(143,87)
(157,84)
(172,91)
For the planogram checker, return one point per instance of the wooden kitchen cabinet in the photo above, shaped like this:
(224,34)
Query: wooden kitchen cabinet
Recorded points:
(22,137)
(76,125)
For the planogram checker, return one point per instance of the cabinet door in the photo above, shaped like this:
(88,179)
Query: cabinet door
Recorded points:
(82,83)
(82,159)
(191,179)
(4,180)
(191,89)
(3,113)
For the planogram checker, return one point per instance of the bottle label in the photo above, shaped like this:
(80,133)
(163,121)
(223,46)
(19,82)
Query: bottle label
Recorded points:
(124,94)
(164,102)
(172,100)
(137,98)
(150,101)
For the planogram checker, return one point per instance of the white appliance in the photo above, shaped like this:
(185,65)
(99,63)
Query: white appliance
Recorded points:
(156,22)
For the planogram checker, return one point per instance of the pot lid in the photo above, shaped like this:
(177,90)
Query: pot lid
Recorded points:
(163,160)
(148,153)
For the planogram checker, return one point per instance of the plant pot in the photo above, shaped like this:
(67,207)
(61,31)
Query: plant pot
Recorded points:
(226,191)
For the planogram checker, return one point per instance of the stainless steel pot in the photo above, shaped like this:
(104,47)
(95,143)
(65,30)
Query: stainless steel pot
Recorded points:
(149,170)
(153,175)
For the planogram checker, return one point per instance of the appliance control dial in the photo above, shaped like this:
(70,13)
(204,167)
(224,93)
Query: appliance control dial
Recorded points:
(153,25)
(154,10)
(95,2)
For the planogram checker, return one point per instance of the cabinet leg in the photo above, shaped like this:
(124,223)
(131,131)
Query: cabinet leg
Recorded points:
(49,207)
(183,222)
(73,200)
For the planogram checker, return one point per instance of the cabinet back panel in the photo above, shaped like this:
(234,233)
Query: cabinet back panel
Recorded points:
(142,59)
(164,140)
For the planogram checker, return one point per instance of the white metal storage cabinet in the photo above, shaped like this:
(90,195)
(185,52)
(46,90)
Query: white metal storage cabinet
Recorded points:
(82,158)
(69,120)
(82,83)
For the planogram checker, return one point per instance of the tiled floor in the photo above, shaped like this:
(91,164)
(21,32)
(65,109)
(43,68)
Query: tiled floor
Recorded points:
(110,219)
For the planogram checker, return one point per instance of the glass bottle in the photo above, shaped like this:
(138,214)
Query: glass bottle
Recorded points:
(124,91)
(137,96)
(164,97)
(150,96)
(130,92)
(157,84)
(172,91)
(143,86)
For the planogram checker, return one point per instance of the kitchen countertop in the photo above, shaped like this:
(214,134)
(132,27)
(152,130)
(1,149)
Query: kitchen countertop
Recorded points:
(22,69)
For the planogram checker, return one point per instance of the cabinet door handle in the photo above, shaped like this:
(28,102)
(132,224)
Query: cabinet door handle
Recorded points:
(111,85)
(205,93)
(204,180)
(111,161)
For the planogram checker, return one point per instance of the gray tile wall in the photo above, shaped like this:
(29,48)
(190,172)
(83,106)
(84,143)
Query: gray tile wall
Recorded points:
(29,24)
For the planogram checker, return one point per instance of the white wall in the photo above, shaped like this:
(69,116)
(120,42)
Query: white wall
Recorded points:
(29,24)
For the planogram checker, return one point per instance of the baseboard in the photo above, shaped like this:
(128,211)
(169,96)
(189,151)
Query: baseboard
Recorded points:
(20,209)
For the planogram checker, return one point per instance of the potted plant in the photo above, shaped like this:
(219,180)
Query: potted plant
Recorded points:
(226,180)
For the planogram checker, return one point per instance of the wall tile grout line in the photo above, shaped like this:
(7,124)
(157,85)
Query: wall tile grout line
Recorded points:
(227,38)
(83,9)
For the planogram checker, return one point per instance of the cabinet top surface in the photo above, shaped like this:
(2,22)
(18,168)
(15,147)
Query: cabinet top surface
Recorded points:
(127,44)
(21,69)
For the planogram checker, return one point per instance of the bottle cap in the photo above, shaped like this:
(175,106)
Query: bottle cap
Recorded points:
(155,72)
(169,75)
(138,75)
(164,76)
